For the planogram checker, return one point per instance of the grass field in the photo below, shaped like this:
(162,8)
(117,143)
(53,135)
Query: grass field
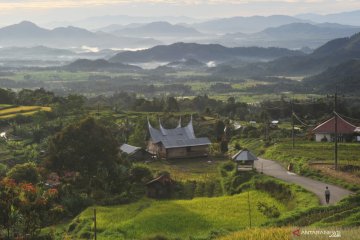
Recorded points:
(23,110)
(177,218)
(349,153)
(286,233)
(188,169)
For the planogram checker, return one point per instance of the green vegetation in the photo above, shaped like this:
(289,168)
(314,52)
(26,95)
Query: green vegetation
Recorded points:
(178,218)
(286,233)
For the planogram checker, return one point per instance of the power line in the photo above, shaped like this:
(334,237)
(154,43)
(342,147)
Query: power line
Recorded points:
(302,122)
(343,116)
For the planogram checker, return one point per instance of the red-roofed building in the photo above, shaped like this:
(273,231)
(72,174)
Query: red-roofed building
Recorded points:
(326,130)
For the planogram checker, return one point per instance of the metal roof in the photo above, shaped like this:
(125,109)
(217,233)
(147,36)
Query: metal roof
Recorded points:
(126,148)
(244,155)
(328,126)
(177,137)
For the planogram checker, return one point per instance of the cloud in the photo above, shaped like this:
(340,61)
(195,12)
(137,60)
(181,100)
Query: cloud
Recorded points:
(46,4)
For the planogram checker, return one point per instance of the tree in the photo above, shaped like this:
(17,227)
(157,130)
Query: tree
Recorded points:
(171,105)
(219,130)
(24,173)
(137,138)
(83,147)
(25,208)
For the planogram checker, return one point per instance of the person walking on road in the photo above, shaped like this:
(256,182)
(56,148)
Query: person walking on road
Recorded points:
(327,195)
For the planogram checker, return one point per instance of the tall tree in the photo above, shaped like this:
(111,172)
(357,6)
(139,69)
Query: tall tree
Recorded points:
(84,147)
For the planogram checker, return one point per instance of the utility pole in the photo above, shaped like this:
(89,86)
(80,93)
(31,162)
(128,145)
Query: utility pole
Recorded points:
(336,130)
(95,237)
(249,207)
(292,124)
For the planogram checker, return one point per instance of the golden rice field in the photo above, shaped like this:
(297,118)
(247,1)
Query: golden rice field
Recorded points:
(286,233)
(181,219)
(22,110)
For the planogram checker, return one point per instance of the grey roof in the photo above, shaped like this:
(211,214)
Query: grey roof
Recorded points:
(177,137)
(244,155)
(126,148)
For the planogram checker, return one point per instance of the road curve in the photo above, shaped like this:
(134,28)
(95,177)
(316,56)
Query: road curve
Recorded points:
(274,169)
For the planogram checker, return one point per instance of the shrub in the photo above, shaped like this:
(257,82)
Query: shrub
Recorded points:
(3,169)
(268,211)
(277,190)
(26,172)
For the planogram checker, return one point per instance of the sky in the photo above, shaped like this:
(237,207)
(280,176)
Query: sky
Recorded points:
(46,11)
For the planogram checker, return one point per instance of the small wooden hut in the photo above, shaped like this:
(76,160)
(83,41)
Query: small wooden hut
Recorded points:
(160,187)
(244,160)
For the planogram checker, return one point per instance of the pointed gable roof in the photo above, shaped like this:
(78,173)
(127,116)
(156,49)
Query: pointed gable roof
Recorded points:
(244,155)
(343,127)
(176,137)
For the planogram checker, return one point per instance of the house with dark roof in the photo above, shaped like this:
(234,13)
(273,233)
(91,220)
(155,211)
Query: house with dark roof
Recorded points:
(179,142)
(135,153)
(325,132)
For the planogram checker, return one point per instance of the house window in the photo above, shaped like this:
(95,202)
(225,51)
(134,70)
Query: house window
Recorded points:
(188,149)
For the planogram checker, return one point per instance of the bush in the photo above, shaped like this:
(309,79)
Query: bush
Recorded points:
(26,172)
(268,211)
(277,190)
(75,203)
(3,170)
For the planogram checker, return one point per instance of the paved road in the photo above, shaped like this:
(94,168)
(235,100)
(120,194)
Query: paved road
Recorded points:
(274,169)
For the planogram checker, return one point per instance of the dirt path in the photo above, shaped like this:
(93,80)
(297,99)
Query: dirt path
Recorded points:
(274,169)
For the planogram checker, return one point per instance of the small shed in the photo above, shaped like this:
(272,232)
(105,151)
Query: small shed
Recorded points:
(160,187)
(244,160)
(135,153)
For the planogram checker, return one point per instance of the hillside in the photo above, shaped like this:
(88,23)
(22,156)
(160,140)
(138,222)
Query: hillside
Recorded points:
(177,218)
(201,52)
(28,34)
(330,54)
(345,76)
(293,35)
(99,65)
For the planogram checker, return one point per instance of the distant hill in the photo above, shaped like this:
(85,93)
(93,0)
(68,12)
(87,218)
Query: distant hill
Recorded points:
(350,18)
(330,54)
(101,21)
(200,52)
(293,35)
(27,34)
(345,76)
(99,65)
(245,24)
(157,29)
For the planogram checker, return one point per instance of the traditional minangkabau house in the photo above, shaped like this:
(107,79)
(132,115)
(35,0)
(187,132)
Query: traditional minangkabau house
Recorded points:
(179,142)
(325,132)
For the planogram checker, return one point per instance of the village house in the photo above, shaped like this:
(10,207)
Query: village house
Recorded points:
(179,142)
(325,132)
(135,153)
